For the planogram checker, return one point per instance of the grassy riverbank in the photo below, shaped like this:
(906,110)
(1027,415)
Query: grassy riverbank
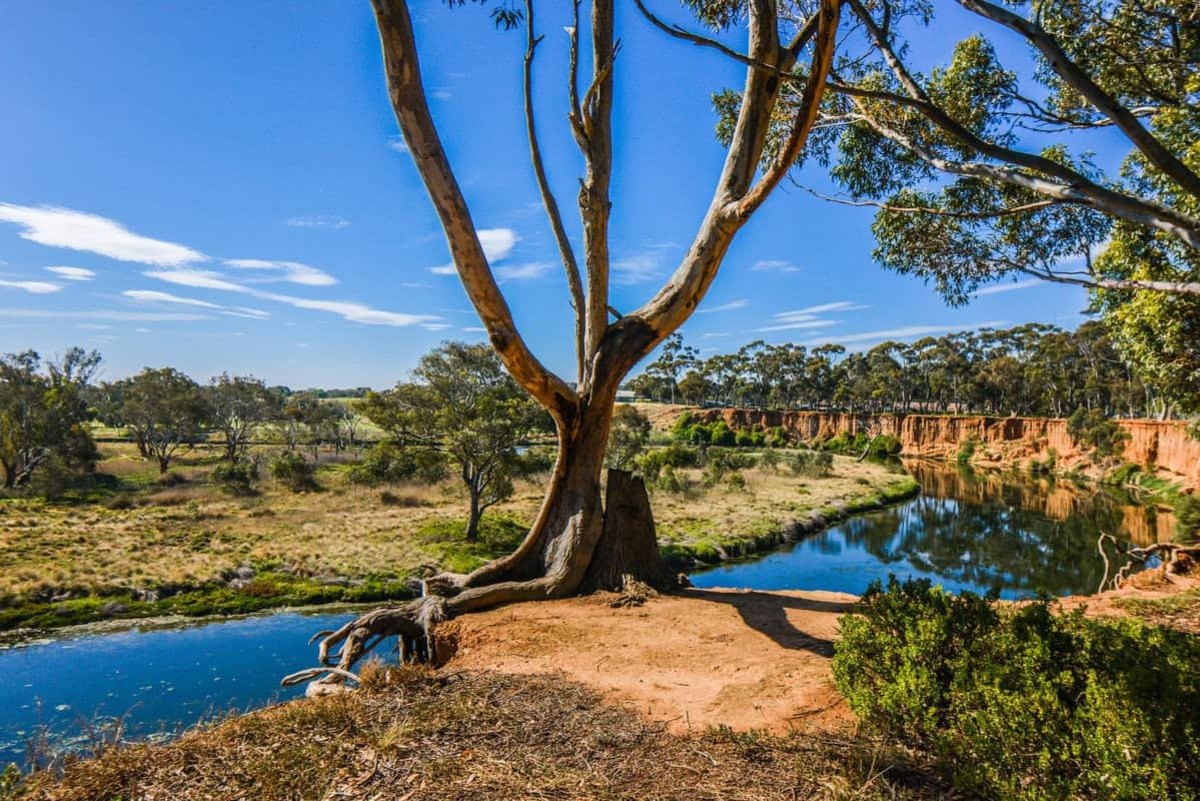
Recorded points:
(129,547)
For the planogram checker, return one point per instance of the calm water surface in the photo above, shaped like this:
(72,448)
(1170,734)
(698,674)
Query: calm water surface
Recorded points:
(159,680)
(964,532)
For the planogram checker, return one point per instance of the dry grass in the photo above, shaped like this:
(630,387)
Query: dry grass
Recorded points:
(415,735)
(191,534)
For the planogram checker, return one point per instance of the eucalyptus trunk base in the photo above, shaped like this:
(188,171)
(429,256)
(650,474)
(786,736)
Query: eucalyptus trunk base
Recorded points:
(621,555)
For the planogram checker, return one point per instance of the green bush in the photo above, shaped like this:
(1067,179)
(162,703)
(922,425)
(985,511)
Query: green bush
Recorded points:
(813,464)
(651,463)
(777,437)
(1022,703)
(966,450)
(769,460)
(1125,474)
(855,444)
(668,480)
(236,478)
(1104,438)
(1187,518)
(293,471)
(1044,467)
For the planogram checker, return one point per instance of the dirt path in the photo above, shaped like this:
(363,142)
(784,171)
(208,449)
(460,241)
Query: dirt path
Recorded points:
(702,658)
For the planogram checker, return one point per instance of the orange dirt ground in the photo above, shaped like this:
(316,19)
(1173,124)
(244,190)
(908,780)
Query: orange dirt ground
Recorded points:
(697,659)
(702,658)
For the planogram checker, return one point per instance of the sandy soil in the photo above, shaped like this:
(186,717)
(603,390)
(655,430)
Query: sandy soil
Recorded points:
(702,658)
(742,659)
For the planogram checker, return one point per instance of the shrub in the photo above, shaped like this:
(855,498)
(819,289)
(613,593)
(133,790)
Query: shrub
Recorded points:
(813,464)
(650,464)
(668,480)
(966,450)
(736,481)
(1125,474)
(1022,703)
(1187,518)
(172,479)
(776,437)
(293,471)
(1104,438)
(769,460)
(854,444)
(1044,467)
(236,478)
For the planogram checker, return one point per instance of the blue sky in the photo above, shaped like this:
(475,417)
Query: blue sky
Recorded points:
(220,186)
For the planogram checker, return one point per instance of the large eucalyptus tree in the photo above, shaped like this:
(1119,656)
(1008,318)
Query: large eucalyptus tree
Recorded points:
(573,544)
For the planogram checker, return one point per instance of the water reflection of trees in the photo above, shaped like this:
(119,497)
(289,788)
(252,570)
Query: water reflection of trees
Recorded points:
(985,534)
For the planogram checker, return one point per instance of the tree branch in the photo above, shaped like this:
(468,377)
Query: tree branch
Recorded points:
(594,204)
(1069,71)
(806,114)
(566,252)
(416,123)
(961,215)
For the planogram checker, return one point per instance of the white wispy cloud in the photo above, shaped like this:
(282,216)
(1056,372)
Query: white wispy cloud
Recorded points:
(996,289)
(76,230)
(740,303)
(397,143)
(72,273)
(348,310)
(292,271)
(197,279)
(773,266)
(840,305)
(318,221)
(34,287)
(497,244)
(151,296)
(523,272)
(104,314)
(810,317)
(636,269)
(908,332)
(475,329)
(794,325)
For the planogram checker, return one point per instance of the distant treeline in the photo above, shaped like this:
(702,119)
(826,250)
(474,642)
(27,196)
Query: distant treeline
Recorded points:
(1032,369)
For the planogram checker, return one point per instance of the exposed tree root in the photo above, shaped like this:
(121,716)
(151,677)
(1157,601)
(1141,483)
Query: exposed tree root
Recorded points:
(1176,559)
(622,557)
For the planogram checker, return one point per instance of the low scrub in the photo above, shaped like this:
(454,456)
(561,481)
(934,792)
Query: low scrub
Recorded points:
(294,472)
(1018,702)
(812,464)
(690,431)
(856,444)
(236,478)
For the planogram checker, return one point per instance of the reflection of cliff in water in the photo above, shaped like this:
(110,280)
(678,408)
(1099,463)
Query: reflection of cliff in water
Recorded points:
(1104,508)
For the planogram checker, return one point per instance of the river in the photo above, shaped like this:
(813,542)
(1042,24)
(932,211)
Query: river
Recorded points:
(964,531)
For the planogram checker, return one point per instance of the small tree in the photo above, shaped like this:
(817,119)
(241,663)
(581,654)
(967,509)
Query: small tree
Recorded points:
(165,410)
(467,409)
(42,413)
(627,438)
(238,404)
